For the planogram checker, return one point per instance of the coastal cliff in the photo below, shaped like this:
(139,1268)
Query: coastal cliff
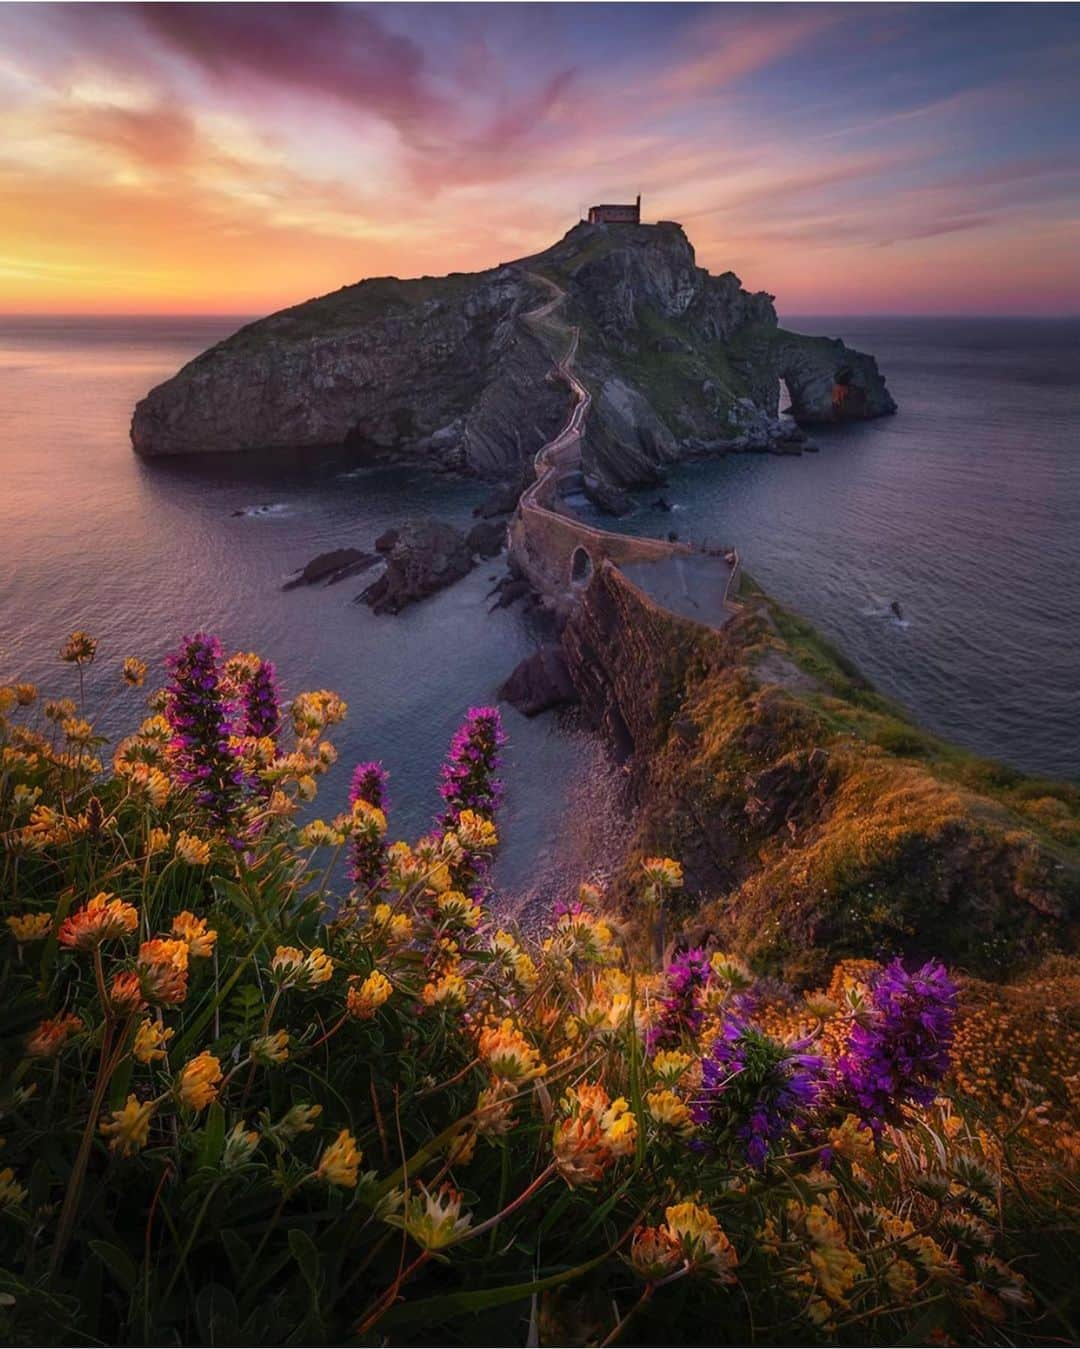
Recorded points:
(442,372)
(813,819)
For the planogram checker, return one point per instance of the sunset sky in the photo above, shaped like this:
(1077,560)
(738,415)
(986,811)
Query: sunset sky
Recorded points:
(234,159)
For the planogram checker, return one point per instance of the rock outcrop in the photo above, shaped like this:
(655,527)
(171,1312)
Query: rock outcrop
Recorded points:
(540,682)
(450,374)
(332,567)
(427,555)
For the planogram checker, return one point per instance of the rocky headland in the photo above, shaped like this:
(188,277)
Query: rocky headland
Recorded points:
(441,372)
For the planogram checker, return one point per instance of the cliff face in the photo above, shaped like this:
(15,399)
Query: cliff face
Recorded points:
(814,822)
(446,372)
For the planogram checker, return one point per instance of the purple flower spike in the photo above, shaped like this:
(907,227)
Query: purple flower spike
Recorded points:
(261,703)
(901,1054)
(201,718)
(468,780)
(680,1011)
(368,851)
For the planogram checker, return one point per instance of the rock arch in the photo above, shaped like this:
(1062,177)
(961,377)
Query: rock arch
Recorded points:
(581,566)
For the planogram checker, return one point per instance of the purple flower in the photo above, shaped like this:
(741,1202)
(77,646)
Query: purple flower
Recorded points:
(468,782)
(261,706)
(755,1089)
(902,1052)
(368,850)
(680,1011)
(201,718)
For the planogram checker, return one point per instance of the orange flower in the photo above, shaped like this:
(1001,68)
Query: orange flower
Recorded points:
(48,1037)
(199,938)
(198,1081)
(102,918)
(162,967)
(594,1132)
(126,994)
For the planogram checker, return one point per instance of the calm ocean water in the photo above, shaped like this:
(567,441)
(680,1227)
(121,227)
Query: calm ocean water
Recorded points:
(964,508)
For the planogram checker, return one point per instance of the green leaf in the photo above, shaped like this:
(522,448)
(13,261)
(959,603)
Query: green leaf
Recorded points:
(306,1255)
(216,1315)
(119,1264)
(237,1249)
(212,1143)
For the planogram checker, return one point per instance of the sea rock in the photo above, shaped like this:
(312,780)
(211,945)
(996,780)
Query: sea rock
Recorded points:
(332,567)
(427,556)
(501,501)
(487,538)
(607,498)
(386,540)
(541,681)
(828,381)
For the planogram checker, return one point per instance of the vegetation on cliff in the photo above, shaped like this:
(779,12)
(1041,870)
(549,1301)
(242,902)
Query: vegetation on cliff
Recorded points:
(246,1105)
(815,819)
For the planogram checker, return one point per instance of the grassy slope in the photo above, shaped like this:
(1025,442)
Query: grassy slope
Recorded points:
(819,821)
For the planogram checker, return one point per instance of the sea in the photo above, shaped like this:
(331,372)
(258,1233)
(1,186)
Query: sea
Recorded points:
(963,509)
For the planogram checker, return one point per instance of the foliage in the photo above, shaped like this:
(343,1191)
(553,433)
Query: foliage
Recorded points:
(242,1108)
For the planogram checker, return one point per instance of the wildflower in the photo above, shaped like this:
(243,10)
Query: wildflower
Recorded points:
(30,927)
(201,721)
(582,936)
(653,1255)
(128,1128)
(666,1108)
(340,1161)
(661,874)
(434,1221)
(259,701)
(25,694)
(901,1051)
(59,709)
(49,1036)
(162,970)
(394,928)
(12,1194)
(364,1000)
(151,1040)
(318,834)
(670,1064)
(448,990)
(146,778)
(299,1119)
(294,968)
(270,1049)
(192,850)
(240,1144)
(468,776)
(701,1241)
(475,833)
(508,1054)
(592,1134)
(367,801)
(79,649)
(835,1266)
(730,970)
(755,1088)
(518,963)
(681,1013)
(459,910)
(199,938)
(313,712)
(133,672)
(853,1140)
(101,919)
(495,1108)
(126,996)
(197,1084)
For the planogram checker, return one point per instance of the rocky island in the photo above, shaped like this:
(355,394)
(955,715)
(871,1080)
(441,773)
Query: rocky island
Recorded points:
(442,371)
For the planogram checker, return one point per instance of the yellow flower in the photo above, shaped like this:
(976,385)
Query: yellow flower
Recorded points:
(661,875)
(25,694)
(300,1119)
(194,851)
(665,1108)
(58,709)
(670,1064)
(157,840)
(306,787)
(448,990)
(162,967)
(475,832)
(340,1161)
(271,1049)
(198,1081)
(199,938)
(508,1054)
(593,1133)
(365,999)
(79,649)
(129,1127)
(240,1143)
(12,1193)
(151,1040)
(133,672)
(165,951)
(730,970)
(853,1140)
(28,927)
(318,834)
(434,1221)
(454,907)
(518,962)
(394,928)
(653,1254)
(78,730)
(149,779)
(701,1240)
(102,918)
(295,969)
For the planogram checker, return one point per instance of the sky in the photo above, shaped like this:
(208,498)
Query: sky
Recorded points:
(849,159)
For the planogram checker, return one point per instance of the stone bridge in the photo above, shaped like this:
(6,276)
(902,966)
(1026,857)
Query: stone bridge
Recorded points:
(559,553)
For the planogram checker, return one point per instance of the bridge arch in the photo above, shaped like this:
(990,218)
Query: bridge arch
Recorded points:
(581,566)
